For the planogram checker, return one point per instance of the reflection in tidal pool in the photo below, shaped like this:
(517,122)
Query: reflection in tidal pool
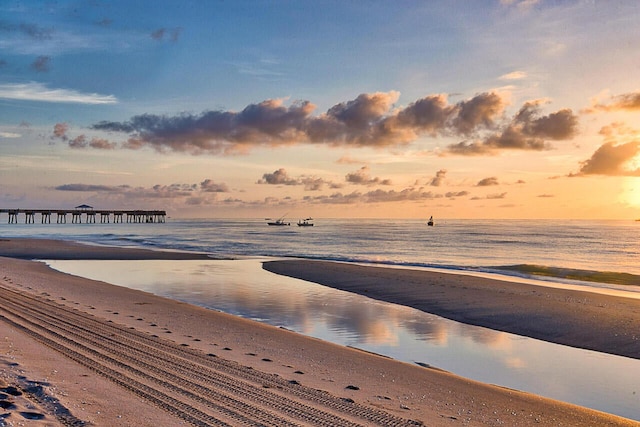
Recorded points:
(241,287)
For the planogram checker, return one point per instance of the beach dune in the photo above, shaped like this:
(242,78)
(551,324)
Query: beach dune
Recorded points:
(84,352)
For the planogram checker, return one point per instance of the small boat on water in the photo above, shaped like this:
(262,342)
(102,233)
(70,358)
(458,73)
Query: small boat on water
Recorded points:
(430,222)
(305,222)
(280,221)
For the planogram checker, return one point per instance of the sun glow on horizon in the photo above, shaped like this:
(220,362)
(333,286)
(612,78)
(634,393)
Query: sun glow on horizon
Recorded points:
(630,193)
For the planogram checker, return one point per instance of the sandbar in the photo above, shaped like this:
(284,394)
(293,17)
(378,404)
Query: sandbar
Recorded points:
(581,319)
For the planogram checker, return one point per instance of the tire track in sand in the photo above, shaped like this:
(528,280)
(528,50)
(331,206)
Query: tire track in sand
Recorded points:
(202,389)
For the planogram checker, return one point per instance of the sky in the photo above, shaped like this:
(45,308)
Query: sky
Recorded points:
(496,109)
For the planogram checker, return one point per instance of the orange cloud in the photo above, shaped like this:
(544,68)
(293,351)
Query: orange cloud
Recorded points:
(362,177)
(625,102)
(611,159)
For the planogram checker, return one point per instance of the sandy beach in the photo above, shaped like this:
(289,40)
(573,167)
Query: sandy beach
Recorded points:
(80,352)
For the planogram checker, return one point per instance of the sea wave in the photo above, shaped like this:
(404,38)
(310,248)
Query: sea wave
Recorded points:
(610,277)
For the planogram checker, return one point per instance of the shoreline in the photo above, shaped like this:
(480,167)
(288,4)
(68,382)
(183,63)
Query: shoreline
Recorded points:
(400,390)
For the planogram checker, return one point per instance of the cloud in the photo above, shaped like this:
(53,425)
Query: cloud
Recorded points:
(364,110)
(91,188)
(267,123)
(42,64)
(514,75)
(78,142)
(625,102)
(278,177)
(487,182)
(315,183)
(60,131)
(208,186)
(370,120)
(527,130)
(361,177)
(384,196)
(102,144)
(611,159)
(611,131)
(496,196)
(171,33)
(281,177)
(203,193)
(520,4)
(454,194)
(479,111)
(9,135)
(99,143)
(34,91)
(346,160)
(437,180)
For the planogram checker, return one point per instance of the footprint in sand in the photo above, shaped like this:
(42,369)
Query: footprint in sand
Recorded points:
(6,404)
(12,391)
(32,415)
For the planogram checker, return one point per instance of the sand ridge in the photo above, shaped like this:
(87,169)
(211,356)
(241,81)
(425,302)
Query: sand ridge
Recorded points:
(609,324)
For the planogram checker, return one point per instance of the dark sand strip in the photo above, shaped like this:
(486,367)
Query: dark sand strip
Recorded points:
(24,248)
(604,323)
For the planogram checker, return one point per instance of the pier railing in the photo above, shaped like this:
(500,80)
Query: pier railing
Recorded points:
(119,216)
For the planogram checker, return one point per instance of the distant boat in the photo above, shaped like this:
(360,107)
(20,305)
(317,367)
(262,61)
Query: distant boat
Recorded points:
(305,222)
(430,222)
(279,221)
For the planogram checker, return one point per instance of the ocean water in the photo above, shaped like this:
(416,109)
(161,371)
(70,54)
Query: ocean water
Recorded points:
(590,252)
(599,255)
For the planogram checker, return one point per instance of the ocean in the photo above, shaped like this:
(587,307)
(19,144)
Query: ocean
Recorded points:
(588,252)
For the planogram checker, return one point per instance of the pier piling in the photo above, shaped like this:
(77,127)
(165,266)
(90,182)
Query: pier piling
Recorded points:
(133,216)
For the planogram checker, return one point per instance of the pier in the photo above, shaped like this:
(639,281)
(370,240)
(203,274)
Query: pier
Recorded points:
(118,216)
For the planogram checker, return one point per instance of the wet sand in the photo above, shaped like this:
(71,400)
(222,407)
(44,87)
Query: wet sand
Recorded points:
(82,351)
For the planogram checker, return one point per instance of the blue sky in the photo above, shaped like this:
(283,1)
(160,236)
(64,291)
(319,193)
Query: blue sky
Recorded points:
(392,109)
